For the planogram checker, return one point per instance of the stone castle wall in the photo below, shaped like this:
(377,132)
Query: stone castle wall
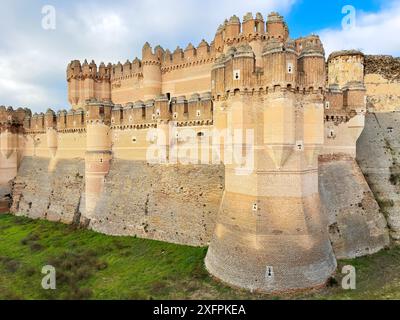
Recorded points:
(165,202)
(378,154)
(52,194)
(382,81)
(356,225)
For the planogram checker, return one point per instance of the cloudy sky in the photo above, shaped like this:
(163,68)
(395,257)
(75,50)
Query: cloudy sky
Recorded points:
(33,60)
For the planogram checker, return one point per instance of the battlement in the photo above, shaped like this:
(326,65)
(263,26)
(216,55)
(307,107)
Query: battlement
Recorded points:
(76,70)
(234,31)
(11,117)
(285,65)
(182,111)
(343,54)
(251,28)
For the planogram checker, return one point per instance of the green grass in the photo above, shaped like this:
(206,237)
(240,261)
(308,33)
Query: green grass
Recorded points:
(94,266)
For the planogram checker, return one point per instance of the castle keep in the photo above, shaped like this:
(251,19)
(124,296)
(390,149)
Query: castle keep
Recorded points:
(275,220)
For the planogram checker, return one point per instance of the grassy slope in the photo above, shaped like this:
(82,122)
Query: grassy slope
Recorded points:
(91,265)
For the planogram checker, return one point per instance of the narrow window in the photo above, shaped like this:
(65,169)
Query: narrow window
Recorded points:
(290,67)
(327,105)
(269,274)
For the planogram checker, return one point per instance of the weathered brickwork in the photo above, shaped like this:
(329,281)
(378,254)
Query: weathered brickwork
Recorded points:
(170,203)
(356,225)
(382,80)
(55,195)
(378,154)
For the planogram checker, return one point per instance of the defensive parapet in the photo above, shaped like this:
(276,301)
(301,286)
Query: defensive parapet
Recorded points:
(190,57)
(284,65)
(87,82)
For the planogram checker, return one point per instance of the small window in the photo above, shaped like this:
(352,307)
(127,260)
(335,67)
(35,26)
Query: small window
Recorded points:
(200,134)
(134,139)
(390,130)
(175,115)
(198,113)
(158,112)
(327,105)
(290,67)
(153,116)
(299,146)
(236,74)
(255,207)
(269,274)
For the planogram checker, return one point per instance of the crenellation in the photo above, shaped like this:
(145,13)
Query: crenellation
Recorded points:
(277,27)
(50,119)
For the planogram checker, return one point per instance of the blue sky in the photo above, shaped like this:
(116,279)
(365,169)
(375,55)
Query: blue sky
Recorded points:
(33,60)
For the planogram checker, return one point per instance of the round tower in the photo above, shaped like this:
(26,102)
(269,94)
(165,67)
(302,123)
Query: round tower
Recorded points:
(8,144)
(312,68)
(241,61)
(74,70)
(89,72)
(232,29)
(98,151)
(276,27)
(280,63)
(344,67)
(151,65)
(104,85)
(254,31)
(51,132)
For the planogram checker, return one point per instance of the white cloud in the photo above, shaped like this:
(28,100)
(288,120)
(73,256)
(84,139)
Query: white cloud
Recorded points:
(33,60)
(374,33)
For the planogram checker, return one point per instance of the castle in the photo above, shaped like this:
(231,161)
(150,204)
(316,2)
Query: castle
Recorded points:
(276,222)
